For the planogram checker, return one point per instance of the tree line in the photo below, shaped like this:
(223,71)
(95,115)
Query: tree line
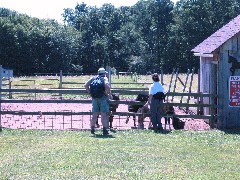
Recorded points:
(146,37)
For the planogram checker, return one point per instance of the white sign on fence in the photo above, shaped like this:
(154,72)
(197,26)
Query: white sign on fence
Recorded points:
(234,91)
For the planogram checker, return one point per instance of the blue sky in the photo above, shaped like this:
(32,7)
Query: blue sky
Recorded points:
(54,8)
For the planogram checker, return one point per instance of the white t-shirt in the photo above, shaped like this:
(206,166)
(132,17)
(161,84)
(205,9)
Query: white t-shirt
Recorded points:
(156,87)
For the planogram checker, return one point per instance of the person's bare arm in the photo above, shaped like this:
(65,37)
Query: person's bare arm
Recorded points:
(149,100)
(86,85)
(107,88)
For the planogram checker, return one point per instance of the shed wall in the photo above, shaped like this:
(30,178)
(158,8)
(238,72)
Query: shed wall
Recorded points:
(206,79)
(229,117)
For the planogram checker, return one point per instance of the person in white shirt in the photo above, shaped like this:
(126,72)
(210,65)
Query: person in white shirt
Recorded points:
(155,101)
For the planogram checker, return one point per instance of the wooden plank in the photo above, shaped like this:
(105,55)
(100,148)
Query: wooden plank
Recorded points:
(169,88)
(190,86)
(5,85)
(51,79)
(83,92)
(45,101)
(72,83)
(111,102)
(27,80)
(21,113)
(147,83)
(21,85)
(28,96)
(185,84)
(1,72)
(175,83)
(140,88)
(46,84)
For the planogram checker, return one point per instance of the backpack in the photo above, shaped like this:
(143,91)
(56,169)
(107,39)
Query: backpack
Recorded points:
(159,95)
(97,87)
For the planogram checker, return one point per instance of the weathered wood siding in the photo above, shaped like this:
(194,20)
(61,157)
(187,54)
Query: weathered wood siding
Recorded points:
(206,79)
(229,117)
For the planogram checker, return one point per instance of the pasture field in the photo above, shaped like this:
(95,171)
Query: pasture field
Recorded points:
(53,81)
(76,82)
(127,154)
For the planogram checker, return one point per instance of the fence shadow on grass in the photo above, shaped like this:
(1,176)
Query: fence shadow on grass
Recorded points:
(103,136)
(231,131)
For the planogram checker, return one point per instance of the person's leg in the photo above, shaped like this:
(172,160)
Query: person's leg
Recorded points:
(104,108)
(95,111)
(153,110)
(104,118)
(159,114)
(158,120)
(93,122)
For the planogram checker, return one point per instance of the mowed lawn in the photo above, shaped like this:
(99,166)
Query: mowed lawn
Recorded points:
(127,154)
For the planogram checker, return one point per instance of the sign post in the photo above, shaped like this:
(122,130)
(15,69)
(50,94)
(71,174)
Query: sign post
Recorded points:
(234,91)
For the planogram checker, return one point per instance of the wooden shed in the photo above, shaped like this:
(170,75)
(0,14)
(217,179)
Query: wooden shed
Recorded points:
(220,74)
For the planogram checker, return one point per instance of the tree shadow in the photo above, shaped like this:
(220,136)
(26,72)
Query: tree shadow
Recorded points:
(231,131)
(165,131)
(113,130)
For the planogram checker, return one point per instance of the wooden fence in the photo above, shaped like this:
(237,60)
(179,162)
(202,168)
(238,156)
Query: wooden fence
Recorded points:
(177,99)
(170,95)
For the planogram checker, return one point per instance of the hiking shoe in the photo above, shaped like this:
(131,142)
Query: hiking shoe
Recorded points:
(160,128)
(92,131)
(155,129)
(105,132)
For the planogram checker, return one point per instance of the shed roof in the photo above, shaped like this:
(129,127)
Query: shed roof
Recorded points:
(219,37)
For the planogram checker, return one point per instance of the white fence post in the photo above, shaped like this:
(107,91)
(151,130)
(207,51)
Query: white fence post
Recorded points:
(60,83)
(109,76)
(9,84)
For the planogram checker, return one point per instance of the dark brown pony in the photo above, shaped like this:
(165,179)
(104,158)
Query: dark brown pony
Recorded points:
(235,64)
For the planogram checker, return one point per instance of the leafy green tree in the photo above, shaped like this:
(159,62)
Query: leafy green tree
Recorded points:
(29,45)
(194,21)
(152,20)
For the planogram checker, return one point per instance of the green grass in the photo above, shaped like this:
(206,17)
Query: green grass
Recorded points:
(129,154)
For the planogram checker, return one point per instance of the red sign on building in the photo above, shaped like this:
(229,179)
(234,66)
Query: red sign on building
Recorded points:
(234,91)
